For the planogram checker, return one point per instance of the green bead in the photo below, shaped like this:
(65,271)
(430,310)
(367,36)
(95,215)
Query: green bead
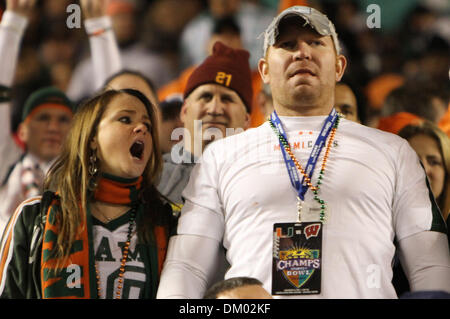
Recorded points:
(321,201)
(320,177)
(323,206)
(319,182)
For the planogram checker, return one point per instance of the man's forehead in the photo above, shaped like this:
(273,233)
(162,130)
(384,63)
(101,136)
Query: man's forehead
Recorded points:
(53,110)
(213,88)
(295,22)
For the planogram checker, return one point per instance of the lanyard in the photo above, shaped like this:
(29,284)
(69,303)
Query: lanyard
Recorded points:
(300,187)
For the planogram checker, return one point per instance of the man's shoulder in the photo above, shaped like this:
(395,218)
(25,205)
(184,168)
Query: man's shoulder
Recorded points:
(246,136)
(10,160)
(370,133)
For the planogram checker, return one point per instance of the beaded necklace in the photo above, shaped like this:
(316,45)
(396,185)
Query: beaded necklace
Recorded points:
(314,189)
(124,258)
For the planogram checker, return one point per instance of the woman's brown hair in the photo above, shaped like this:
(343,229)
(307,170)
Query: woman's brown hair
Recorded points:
(70,178)
(430,129)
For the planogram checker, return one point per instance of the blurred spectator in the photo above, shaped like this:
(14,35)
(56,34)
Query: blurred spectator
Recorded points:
(433,148)
(237,288)
(380,87)
(349,101)
(133,54)
(431,65)
(228,32)
(30,75)
(444,123)
(284,4)
(170,111)
(130,79)
(252,19)
(417,30)
(377,91)
(424,100)
(395,122)
(163,24)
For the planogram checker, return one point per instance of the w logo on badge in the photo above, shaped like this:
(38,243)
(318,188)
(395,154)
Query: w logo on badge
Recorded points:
(312,230)
(298,264)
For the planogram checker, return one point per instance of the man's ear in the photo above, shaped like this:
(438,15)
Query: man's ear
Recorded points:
(341,64)
(263,69)
(247,121)
(23,132)
(183,112)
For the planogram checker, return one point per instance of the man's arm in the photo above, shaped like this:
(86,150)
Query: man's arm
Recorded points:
(419,227)
(190,266)
(12,28)
(195,256)
(426,261)
(105,54)
(104,49)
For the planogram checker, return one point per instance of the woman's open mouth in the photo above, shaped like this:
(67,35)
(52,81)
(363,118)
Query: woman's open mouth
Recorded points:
(137,150)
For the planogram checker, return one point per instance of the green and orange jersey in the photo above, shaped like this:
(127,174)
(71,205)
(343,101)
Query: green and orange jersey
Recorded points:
(27,242)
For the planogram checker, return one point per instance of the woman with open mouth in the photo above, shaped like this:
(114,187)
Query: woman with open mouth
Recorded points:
(101,228)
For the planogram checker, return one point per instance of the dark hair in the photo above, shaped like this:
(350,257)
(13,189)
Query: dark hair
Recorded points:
(226,24)
(146,79)
(415,98)
(229,284)
(361,101)
(170,108)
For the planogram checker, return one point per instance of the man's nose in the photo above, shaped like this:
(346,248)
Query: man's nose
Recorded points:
(303,51)
(215,106)
(54,124)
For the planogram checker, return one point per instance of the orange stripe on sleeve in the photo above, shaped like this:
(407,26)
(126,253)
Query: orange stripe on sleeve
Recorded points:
(8,235)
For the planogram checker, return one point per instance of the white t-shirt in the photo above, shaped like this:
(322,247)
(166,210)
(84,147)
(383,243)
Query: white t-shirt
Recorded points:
(373,184)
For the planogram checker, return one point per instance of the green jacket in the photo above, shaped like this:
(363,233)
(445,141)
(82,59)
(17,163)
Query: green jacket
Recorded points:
(21,250)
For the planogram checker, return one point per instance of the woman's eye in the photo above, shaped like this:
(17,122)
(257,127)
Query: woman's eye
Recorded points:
(125,119)
(148,126)
(434,162)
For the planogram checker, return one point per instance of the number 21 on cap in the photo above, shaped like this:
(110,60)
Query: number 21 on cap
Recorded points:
(223,78)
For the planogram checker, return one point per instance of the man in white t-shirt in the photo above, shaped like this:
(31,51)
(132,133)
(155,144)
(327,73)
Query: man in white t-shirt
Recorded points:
(309,203)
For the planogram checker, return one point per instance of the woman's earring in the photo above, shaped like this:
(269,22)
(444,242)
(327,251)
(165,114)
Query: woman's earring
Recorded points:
(92,164)
(92,170)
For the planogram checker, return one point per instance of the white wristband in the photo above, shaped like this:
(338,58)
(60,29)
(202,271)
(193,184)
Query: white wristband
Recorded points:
(14,21)
(96,25)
